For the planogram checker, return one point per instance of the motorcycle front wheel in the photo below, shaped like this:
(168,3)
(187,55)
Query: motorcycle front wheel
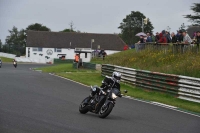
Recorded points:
(105,111)
(83,107)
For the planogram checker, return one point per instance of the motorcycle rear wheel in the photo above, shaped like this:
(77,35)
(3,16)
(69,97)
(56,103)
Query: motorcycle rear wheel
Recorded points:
(105,111)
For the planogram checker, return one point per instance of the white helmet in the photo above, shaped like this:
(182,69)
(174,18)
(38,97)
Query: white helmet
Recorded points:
(116,76)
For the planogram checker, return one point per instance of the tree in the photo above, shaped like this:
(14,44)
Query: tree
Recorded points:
(38,27)
(1,46)
(67,30)
(182,26)
(16,42)
(131,25)
(196,17)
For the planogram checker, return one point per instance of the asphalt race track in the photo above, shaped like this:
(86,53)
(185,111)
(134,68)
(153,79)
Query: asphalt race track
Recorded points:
(34,102)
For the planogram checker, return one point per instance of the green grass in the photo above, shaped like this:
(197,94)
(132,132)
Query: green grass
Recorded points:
(89,77)
(187,64)
(62,68)
(4,59)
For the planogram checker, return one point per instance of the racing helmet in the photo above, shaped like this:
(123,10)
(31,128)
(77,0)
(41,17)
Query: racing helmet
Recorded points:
(116,76)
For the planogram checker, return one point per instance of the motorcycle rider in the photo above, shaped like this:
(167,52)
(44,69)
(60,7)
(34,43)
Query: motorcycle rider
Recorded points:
(0,62)
(14,63)
(108,82)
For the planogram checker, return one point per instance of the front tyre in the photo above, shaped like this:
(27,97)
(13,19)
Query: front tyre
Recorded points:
(83,106)
(105,111)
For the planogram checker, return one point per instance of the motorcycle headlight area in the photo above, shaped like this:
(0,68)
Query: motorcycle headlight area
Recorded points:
(114,96)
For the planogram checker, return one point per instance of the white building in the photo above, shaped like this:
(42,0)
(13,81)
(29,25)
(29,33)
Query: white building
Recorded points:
(44,46)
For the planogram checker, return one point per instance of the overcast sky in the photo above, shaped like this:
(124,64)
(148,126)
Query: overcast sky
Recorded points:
(92,16)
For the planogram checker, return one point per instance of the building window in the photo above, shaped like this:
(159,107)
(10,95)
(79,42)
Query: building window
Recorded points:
(40,49)
(57,50)
(37,49)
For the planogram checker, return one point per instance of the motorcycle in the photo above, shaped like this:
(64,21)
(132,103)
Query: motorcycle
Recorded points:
(101,103)
(15,64)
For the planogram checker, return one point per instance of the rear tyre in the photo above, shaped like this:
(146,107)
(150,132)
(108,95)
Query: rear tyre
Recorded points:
(83,109)
(105,111)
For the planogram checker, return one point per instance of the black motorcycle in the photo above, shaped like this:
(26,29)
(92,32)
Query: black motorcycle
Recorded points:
(15,64)
(102,103)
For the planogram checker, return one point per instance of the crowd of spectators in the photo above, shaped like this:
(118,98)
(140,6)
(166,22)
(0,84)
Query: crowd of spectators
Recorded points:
(165,37)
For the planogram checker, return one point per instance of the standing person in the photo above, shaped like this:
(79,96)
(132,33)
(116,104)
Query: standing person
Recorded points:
(194,35)
(76,58)
(197,39)
(141,39)
(104,54)
(174,38)
(140,43)
(180,36)
(149,39)
(157,37)
(162,37)
(186,41)
(177,34)
(186,37)
(168,37)
(126,47)
(152,37)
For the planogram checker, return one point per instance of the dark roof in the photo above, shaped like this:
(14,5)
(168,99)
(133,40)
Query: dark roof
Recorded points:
(47,39)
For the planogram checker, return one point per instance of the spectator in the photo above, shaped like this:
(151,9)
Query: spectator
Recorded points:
(126,47)
(132,46)
(177,34)
(168,37)
(186,37)
(194,35)
(145,39)
(104,54)
(180,36)
(197,39)
(149,39)
(174,38)
(152,37)
(157,37)
(162,38)
(141,39)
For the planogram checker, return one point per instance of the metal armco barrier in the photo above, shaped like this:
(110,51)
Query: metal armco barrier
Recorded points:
(182,87)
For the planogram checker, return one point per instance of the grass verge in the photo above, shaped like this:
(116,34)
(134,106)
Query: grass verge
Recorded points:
(89,77)
(62,68)
(187,64)
(4,59)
